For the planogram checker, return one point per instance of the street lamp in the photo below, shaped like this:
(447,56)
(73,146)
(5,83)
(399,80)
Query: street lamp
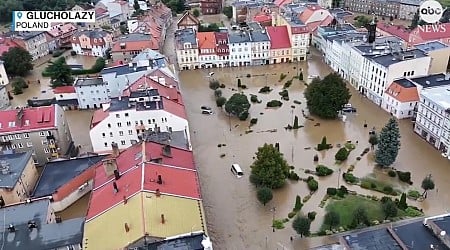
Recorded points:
(339,177)
(273,210)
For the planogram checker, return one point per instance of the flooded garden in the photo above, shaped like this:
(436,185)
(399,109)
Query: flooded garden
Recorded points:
(236,219)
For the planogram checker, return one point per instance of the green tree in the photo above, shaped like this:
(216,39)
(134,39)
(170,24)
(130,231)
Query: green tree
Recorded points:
(389,209)
(313,185)
(341,154)
(360,216)
(220,101)
(388,144)
(196,12)
(214,84)
(295,122)
(332,219)
(362,21)
(7,7)
(237,105)
(217,93)
(415,20)
(300,76)
(269,169)
(298,204)
(228,11)
(60,73)
(136,5)
(18,84)
(373,140)
(427,184)
(402,203)
(264,195)
(301,225)
(17,61)
(326,97)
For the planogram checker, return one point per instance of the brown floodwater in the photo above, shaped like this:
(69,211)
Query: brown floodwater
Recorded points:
(236,220)
(77,209)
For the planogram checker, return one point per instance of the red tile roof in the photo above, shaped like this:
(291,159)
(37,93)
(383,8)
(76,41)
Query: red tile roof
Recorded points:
(6,44)
(38,118)
(177,172)
(168,92)
(99,115)
(169,79)
(62,30)
(262,18)
(206,40)
(135,46)
(64,90)
(402,94)
(279,37)
(174,108)
(399,31)
(280,3)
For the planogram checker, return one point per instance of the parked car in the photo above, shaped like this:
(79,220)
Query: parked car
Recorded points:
(349,110)
(205,108)
(207,112)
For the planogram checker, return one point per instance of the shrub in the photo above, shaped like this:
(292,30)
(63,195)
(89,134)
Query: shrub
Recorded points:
(404,176)
(217,93)
(312,215)
(287,84)
(343,189)
(373,185)
(365,184)
(293,176)
(298,204)
(274,104)
(282,76)
(222,86)
(239,83)
(388,190)
(411,212)
(313,185)
(253,98)
(278,224)
(265,89)
(392,173)
(350,178)
(402,203)
(385,199)
(323,145)
(322,170)
(100,63)
(331,191)
(292,214)
(221,101)
(214,84)
(414,194)
(253,121)
(243,116)
(73,53)
(342,154)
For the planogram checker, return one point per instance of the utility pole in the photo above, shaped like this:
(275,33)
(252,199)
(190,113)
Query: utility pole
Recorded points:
(339,177)
(273,210)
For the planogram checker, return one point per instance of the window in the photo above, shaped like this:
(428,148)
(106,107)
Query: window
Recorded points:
(26,135)
(103,134)
(42,134)
(13,146)
(119,124)
(120,133)
(122,142)
(130,132)
(19,145)
(29,144)
(111,134)
(109,125)
(149,121)
(128,123)
(106,144)
(117,115)
(46,150)
(18,136)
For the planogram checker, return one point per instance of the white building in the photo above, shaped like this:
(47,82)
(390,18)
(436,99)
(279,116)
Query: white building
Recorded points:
(4,98)
(240,48)
(207,56)
(91,92)
(118,78)
(260,44)
(4,80)
(186,46)
(66,97)
(401,98)
(300,42)
(381,70)
(123,119)
(432,119)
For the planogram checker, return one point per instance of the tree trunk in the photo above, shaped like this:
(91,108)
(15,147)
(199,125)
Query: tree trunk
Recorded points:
(424,194)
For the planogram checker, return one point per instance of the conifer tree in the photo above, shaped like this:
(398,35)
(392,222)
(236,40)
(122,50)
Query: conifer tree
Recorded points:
(388,144)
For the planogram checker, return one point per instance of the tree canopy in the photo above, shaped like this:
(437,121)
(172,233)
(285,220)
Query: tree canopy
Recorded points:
(264,195)
(237,104)
(389,209)
(17,61)
(228,11)
(269,169)
(177,6)
(427,184)
(301,225)
(332,219)
(388,144)
(60,73)
(360,216)
(326,97)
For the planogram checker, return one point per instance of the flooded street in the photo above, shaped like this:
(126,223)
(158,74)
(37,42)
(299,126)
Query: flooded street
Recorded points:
(77,209)
(235,218)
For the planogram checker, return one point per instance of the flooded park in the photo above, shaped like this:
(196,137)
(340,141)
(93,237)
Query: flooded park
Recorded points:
(235,218)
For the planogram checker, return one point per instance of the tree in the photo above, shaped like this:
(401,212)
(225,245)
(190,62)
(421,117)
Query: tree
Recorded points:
(264,195)
(269,169)
(220,101)
(17,61)
(360,216)
(18,84)
(402,203)
(136,5)
(301,225)
(295,122)
(415,20)
(228,11)
(7,7)
(300,76)
(427,184)
(217,93)
(325,98)
(196,12)
(214,84)
(389,209)
(341,154)
(388,144)
(237,104)
(60,73)
(332,219)
(373,140)
(362,21)
(298,204)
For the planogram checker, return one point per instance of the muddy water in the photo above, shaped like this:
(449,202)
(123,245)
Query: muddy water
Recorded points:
(77,209)
(235,218)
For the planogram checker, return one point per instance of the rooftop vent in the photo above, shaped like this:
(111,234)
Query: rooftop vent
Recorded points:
(31,225)
(427,82)
(4,167)
(159,181)
(116,189)
(123,45)
(11,228)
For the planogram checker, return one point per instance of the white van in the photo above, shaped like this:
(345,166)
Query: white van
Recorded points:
(236,170)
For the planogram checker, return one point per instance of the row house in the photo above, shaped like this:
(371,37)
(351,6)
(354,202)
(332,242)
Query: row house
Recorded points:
(222,49)
(62,34)
(401,9)
(91,92)
(130,45)
(207,49)
(280,46)
(240,48)
(210,7)
(32,41)
(260,44)
(188,21)
(186,47)
(420,34)
(91,42)
(44,130)
(246,11)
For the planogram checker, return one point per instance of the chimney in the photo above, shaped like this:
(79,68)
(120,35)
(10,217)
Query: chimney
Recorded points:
(2,202)
(163,220)
(167,151)
(31,225)
(159,181)
(127,228)
(158,193)
(115,149)
(109,165)
(116,189)
(125,199)
(116,174)
(11,228)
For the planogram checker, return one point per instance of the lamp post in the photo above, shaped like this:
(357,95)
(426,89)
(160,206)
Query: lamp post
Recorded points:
(339,177)
(273,210)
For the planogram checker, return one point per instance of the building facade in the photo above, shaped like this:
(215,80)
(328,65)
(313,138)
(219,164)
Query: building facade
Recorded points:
(126,47)
(240,48)
(91,42)
(33,42)
(44,130)
(207,56)
(4,98)
(91,92)
(408,8)
(260,44)
(387,8)
(210,7)
(188,21)
(401,99)
(280,46)
(222,49)
(186,45)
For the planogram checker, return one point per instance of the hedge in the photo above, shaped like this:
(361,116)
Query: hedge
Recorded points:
(97,67)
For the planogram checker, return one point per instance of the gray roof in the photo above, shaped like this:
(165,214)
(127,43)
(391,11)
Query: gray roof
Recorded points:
(405,83)
(148,54)
(374,240)
(259,36)
(125,104)
(439,95)
(92,33)
(185,36)
(388,59)
(45,236)
(88,81)
(25,35)
(175,138)
(122,70)
(57,173)
(347,37)
(239,37)
(133,37)
(16,164)
(190,242)
(336,29)
(410,2)
(431,81)
(421,236)
(431,46)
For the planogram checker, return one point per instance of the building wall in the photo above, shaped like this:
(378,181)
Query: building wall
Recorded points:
(380,8)
(37,46)
(240,54)
(280,55)
(91,96)
(260,53)
(300,46)
(4,99)
(430,121)
(445,138)
(4,80)
(400,110)
(125,56)
(439,60)
(73,191)
(24,187)
(124,126)
(188,58)
(407,11)
(66,96)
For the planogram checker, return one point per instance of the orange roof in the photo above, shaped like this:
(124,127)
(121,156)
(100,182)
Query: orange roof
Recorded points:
(281,3)
(206,40)
(135,45)
(64,89)
(403,93)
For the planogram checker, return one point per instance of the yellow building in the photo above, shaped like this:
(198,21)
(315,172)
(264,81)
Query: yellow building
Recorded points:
(280,44)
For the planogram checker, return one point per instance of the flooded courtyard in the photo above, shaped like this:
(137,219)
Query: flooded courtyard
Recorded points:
(235,218)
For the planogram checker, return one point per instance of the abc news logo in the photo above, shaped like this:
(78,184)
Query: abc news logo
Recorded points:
(431,11)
